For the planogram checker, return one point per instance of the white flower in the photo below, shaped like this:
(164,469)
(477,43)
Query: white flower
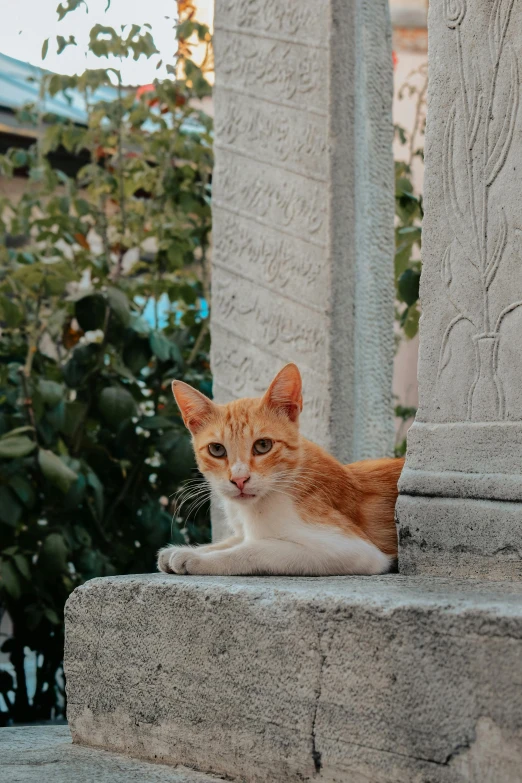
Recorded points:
(95,336)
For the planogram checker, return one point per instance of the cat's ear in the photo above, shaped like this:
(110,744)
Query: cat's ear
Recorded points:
(285,392)
(196,409)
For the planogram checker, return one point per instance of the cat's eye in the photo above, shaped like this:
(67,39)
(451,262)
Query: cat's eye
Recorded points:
(217,450)
(262,446)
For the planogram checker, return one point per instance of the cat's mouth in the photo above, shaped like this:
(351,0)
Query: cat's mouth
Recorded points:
(244,496)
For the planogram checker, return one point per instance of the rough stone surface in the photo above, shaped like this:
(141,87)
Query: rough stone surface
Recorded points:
(303,212)
(42,754)
(387,679)
(465,448)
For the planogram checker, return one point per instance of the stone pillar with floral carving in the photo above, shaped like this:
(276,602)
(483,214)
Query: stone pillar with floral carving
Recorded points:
(303,212)
(460,509)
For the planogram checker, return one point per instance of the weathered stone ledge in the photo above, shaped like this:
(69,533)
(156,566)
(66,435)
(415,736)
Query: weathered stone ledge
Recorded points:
(385,679)
(42,754)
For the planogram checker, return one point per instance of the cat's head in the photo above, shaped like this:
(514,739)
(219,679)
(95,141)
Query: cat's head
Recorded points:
(248,448)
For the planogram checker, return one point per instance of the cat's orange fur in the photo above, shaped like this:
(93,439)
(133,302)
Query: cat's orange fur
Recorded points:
(294,509)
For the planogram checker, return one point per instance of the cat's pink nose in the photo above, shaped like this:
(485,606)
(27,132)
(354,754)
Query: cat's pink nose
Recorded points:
(240,482)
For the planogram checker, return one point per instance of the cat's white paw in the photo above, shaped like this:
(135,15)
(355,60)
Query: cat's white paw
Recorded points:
(169,553)
(186,561)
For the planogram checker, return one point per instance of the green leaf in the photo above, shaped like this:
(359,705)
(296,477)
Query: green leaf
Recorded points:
(95,484)
(72,5)
(63,43)
(116,405)
(156,423)
(23,566)
(51,139)
(55,470)
(10,580)
(81,363)
(45,48)
(408,286)
(52,392)
(76,493)
(17,446)
(180,459)
(82,207)
(160,346)
(73,416)
(90,312)
(23,489)
(119,305)
(51,615)
(16,431)
(10,312)
(20,158)
(55,417)
(416,231)
(410,321)
(54,554)
(10,508)
(164,349)
(167,441)
(185,29)
(136,353)
(82,537)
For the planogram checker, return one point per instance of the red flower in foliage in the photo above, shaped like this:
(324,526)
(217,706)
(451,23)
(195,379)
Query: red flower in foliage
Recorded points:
(143,90)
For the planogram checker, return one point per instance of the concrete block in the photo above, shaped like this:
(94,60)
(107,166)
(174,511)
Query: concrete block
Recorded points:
(465,448)
(387,679)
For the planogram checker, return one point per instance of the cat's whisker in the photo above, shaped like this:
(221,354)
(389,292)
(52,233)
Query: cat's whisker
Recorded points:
(186,484)
(192,496)
(297,487)
(194,508)
(200,498)
(188,492)
(189,486)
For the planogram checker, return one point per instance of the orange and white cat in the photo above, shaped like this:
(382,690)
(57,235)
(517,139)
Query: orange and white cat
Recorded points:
(292,507)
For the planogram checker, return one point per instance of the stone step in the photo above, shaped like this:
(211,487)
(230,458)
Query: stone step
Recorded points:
(45,754)
(377,679)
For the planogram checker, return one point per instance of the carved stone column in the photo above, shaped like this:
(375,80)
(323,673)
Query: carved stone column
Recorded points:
(303,212)
(460,510)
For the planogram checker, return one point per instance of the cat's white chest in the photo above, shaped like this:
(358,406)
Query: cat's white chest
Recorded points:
(315,548)
(274,517)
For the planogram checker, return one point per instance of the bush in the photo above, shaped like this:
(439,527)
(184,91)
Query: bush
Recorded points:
(104,294)
(409,210)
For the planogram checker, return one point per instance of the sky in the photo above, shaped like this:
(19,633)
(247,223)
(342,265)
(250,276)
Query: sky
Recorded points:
(26,23)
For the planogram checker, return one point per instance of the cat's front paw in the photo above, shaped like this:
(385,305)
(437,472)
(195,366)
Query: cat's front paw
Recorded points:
(186,561)
(169,553)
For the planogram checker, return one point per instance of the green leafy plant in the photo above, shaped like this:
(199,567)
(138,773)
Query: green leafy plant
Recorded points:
(104,296)
(409,209)
(405,415)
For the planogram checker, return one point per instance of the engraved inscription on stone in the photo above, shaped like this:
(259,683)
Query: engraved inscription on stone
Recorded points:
(290,330)
(283,264)
(292,138)
(305,21)
(291,202)
(271,70)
